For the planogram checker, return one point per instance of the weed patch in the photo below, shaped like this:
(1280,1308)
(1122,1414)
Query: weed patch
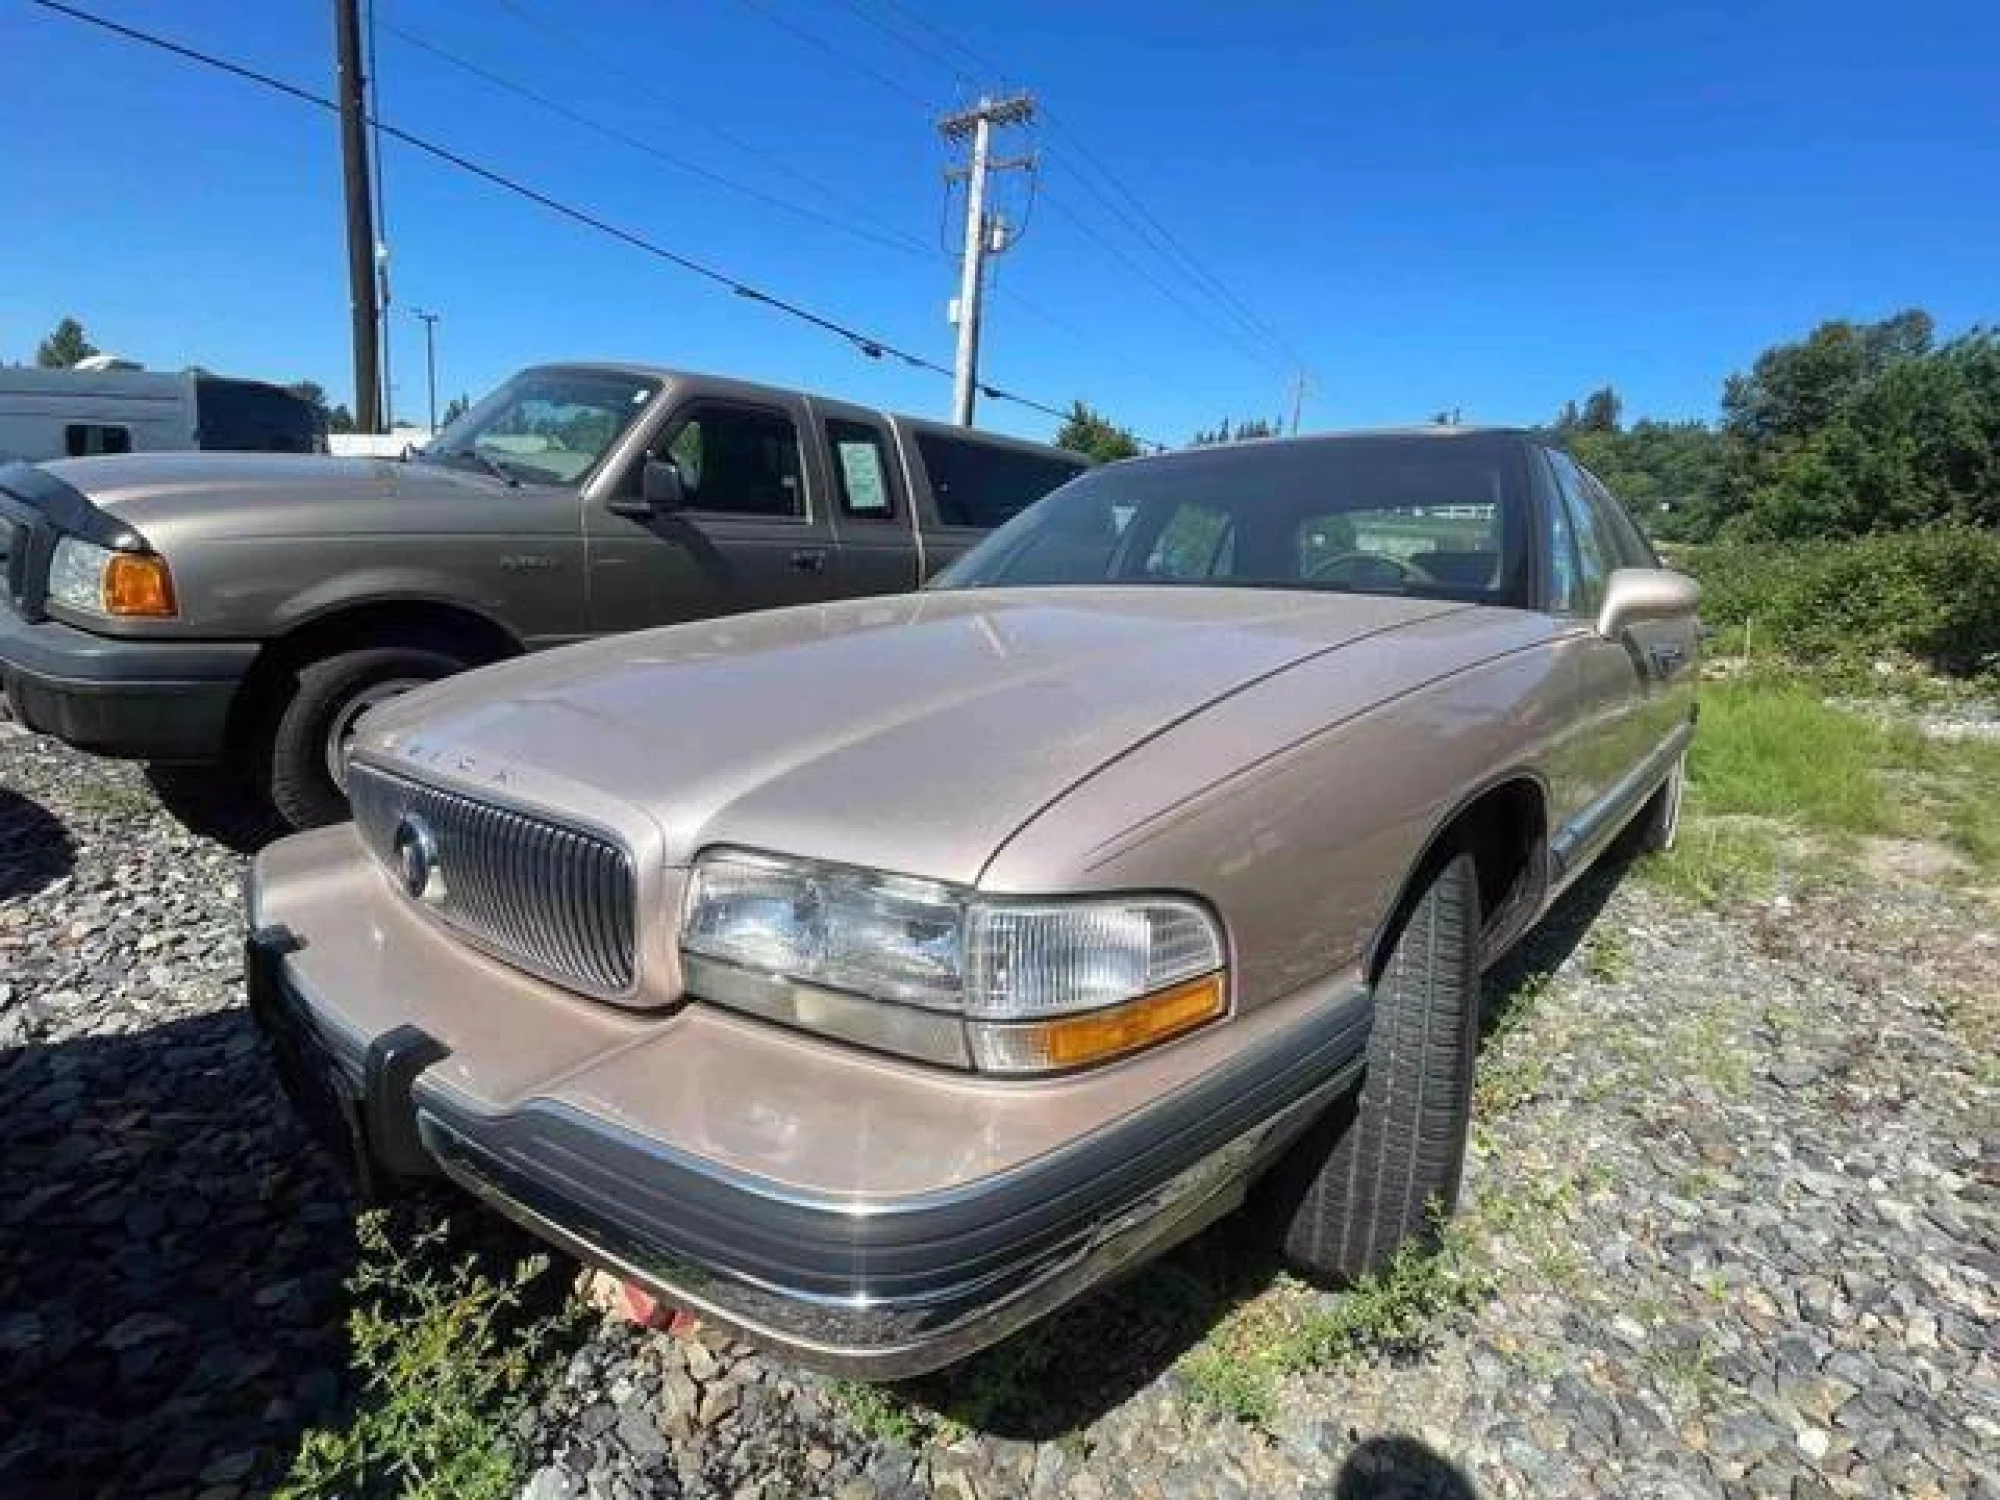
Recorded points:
(1239,1369)
(446,1351)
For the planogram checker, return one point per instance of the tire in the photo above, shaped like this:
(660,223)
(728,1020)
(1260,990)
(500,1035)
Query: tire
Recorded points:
(1380,1166)
(327,696)
(1659,822)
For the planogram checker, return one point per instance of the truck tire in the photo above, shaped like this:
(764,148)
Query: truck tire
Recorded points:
(1376,1170)
(1659,821)
(304,777)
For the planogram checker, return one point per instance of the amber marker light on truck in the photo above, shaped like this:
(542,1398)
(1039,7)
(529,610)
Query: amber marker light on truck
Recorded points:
(138,583)
(1000,984)
(129,585)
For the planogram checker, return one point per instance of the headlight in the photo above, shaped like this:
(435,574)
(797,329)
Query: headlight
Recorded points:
(945,974)
(86,576)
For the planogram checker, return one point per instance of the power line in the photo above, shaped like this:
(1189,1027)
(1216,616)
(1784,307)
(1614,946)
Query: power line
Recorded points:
(1228,335)
(607,65)
(1144,225)
(903,246)
(866,343)
(820,43)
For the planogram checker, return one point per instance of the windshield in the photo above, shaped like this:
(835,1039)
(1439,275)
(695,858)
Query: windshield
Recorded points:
(1427,517)
(544,426)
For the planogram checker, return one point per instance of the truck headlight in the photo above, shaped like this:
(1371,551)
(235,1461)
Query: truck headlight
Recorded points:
(945,974)
(131,585)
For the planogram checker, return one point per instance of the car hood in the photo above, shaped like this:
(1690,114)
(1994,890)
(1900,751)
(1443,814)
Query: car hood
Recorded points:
(268,494)
(912,734)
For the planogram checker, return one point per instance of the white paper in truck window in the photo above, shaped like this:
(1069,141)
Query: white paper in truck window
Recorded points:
(861,473)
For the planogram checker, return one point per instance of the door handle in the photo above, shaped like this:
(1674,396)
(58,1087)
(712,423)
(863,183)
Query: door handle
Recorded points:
(810,559)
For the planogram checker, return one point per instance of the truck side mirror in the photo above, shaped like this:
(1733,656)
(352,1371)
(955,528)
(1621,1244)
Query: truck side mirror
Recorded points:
(661,485)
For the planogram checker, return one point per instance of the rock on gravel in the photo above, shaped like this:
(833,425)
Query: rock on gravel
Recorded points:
(1734,1179)
(171,1250)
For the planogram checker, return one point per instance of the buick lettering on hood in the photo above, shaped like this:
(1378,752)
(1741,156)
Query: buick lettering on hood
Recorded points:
(875,977)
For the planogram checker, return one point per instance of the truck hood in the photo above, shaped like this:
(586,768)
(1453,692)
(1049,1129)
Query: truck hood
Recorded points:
(912,734)
(269,494)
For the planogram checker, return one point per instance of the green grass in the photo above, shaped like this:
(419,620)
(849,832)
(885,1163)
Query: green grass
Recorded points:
(1241,1366)
(1773,748)
(448,1354)
(1775,762)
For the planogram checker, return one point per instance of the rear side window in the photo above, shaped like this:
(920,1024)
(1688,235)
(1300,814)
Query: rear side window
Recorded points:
(982,485)
(82,439)
(861,470)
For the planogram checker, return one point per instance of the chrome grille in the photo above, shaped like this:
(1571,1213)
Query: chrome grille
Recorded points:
(556,900)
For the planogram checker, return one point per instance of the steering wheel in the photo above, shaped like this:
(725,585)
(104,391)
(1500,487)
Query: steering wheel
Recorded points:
(1365,570)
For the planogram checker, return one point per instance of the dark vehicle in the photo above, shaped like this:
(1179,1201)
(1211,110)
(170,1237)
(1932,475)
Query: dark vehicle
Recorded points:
(244,611)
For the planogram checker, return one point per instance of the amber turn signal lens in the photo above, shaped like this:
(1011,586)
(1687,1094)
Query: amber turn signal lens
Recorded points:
(137,583)
(1076,1040)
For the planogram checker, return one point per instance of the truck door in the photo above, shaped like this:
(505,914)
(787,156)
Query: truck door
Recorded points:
(875,549)
(749,534)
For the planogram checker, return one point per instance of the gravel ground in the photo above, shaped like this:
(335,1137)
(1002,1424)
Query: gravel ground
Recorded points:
(1733,1195)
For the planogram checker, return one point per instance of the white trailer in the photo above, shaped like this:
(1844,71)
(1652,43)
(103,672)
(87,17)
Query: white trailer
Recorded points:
(75,413)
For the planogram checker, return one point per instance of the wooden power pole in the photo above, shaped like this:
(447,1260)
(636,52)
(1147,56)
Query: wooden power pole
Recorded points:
(360,217)
(985,234)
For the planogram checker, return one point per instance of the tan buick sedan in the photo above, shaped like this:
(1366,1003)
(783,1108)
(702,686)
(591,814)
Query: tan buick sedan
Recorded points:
(878,976)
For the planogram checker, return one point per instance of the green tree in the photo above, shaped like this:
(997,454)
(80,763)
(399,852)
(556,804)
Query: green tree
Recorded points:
(65,348)
(1094,435)
(1244,431)
(1863,427)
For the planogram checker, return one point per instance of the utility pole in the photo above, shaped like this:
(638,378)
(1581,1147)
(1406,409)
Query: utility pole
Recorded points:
(430,359)
(1300,383)
(360,217)
(985,234)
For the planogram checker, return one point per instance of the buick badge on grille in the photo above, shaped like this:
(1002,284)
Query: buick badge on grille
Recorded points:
(417,860)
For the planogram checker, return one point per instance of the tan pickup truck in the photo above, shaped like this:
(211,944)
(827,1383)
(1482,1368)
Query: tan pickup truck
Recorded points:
(243,611)
(877,976)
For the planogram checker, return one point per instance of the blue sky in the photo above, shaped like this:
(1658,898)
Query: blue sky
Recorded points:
(1473,204)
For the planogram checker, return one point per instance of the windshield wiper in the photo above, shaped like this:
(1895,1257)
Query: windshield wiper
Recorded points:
(492,466)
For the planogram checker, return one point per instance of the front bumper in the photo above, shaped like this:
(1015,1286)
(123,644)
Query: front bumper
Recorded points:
(878,1286)
(142,700)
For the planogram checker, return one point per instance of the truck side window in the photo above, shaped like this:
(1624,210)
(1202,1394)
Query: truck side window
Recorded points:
(82,439)
(740,460)
(982,484)
(861,470)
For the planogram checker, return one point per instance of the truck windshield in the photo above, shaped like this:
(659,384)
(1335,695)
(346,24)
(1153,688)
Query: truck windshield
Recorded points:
(1427,517)
(544,426)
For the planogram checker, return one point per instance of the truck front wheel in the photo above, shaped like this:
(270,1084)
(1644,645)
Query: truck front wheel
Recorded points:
(306,766)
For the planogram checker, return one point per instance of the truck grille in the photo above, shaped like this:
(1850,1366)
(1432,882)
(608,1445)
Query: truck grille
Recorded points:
(558,901)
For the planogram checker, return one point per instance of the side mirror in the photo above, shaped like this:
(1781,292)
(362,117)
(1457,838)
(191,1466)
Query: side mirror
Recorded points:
(661,485)
(1635,594)
(660,491)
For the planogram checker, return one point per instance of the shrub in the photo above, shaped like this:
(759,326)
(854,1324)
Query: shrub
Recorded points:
(1930,595)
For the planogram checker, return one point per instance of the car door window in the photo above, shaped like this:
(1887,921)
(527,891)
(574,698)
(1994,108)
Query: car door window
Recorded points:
(739,460)
(1633,550)
(1577,552)
(861,470)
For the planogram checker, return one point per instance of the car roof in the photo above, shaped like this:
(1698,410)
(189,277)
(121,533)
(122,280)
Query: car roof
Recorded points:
(1414,437)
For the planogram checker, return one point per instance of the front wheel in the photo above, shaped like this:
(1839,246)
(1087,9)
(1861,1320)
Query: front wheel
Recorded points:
(306,775)
(1659,822)
(1380,1166)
